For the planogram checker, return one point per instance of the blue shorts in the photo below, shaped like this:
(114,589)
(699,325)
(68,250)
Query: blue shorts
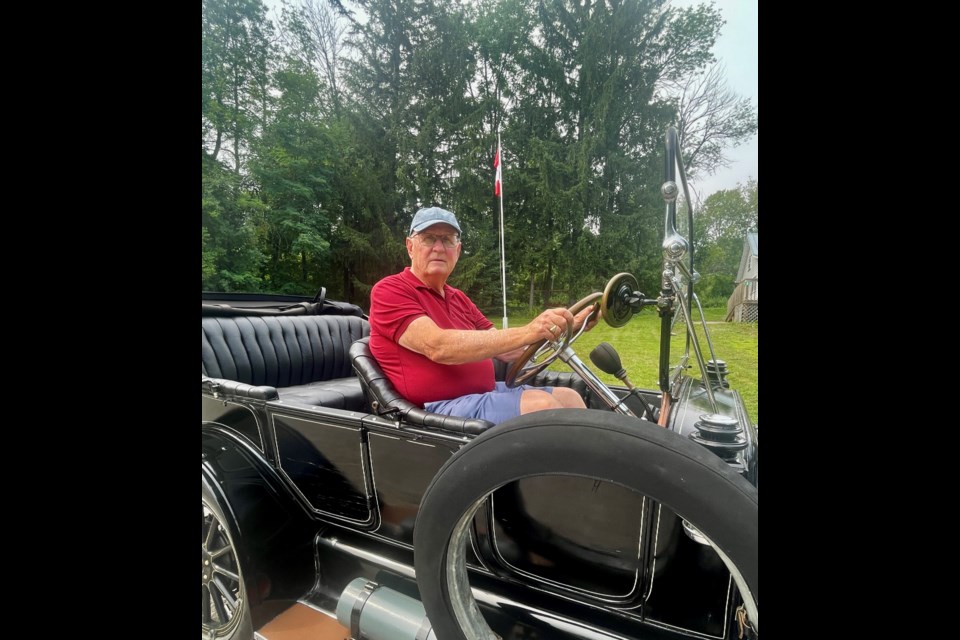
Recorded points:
(496,406)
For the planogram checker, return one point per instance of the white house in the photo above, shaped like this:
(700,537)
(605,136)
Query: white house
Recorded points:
(743,305)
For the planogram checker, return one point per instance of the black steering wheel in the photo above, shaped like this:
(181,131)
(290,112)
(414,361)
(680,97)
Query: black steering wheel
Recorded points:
(529,364)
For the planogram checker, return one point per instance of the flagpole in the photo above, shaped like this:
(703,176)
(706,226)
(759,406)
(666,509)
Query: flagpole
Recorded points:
(503,250)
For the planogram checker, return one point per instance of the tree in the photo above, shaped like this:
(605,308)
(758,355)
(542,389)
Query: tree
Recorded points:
(412,122)
(235,53)
(721,224)
(230,259)
(592,131)
(315,32)
(316,155)
(235,49)
(711,118)
(293,163)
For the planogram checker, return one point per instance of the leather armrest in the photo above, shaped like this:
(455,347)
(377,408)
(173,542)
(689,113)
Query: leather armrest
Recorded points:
(384,398)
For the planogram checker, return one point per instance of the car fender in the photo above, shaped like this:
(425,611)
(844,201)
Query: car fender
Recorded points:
(267,522)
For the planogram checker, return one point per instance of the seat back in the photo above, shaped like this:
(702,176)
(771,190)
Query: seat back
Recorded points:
(386,400)
(279,351)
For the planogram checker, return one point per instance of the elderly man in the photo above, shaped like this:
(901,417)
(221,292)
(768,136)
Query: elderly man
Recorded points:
(436,347)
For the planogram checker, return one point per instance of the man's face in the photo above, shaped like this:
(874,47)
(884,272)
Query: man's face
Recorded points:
(433,263)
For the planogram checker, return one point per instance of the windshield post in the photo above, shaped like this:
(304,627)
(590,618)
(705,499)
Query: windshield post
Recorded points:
(671,244)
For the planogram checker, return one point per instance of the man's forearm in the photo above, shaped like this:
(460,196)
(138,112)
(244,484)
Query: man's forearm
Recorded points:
(456,346)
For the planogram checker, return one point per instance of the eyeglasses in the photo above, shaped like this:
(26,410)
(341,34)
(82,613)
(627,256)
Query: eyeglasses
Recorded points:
(429,240)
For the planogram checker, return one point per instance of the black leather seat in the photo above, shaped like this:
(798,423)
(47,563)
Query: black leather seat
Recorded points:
(384,398)
(304,357)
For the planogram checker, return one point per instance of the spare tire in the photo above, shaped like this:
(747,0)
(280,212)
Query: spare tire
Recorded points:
(635,454)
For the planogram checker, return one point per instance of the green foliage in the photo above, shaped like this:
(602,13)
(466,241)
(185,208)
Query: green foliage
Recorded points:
(235,52)
(231,258)
(320,144)
(721,224)
(292,163)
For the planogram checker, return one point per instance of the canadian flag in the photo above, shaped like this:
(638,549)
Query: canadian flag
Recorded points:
(496,165)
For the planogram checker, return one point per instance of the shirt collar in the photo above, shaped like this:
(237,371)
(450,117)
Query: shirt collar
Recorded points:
(420,284)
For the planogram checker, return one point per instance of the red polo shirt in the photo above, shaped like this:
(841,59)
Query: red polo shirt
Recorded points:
(398,300)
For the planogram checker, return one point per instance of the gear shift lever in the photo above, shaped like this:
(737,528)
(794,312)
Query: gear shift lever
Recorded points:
(606,358)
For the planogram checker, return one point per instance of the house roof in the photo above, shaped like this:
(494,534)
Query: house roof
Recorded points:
(751,248)
(754,243)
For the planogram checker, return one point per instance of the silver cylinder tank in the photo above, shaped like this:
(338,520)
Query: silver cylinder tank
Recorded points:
(373,612)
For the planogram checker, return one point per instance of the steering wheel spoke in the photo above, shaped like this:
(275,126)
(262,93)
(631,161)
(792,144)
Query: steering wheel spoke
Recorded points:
(528,365)
(544,350)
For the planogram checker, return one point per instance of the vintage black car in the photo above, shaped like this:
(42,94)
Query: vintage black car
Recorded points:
(326,493)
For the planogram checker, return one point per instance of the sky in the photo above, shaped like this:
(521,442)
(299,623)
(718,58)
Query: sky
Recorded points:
(738,49)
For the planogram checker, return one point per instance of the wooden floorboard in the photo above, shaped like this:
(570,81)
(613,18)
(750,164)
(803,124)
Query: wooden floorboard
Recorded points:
(301,622)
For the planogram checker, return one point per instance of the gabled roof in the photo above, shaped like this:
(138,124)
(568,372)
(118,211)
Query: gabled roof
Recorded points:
(754,243)
(751,248)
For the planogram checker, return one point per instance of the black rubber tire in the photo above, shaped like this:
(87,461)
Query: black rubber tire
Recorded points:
(636,454)
(240,625)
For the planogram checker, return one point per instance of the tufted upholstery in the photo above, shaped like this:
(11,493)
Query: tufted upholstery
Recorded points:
(304,357)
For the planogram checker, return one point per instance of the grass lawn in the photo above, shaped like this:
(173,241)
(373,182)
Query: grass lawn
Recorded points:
(638,343)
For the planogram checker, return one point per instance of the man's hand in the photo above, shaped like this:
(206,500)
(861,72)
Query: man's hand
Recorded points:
(580,317)
(549,325)
(552,323)
(457,346)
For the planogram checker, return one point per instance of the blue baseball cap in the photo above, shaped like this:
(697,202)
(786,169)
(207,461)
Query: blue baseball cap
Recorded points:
(433,215)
